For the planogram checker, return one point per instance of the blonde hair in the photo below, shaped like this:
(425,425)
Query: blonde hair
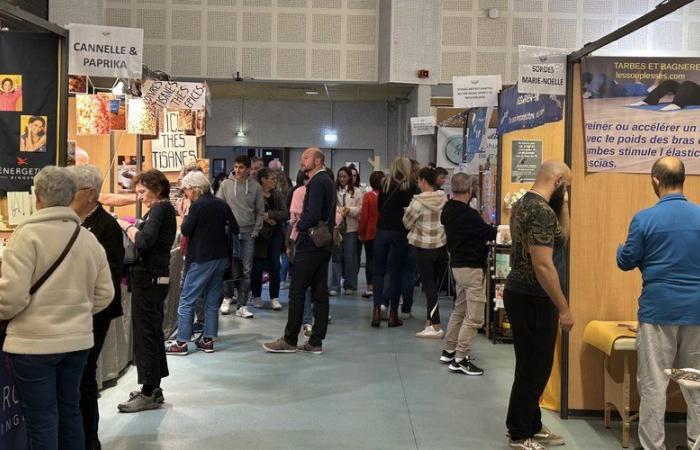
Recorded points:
(400,174)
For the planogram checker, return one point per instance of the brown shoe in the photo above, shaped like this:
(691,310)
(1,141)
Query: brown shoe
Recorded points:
(394,320)
(279,346)
(308,348)
(376,316)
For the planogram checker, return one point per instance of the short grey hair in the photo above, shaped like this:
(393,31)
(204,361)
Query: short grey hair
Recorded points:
(86,177)
(461,182)
(197,181)
(55,186)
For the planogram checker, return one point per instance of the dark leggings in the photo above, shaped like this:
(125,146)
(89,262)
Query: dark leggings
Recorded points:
(427,261)
(369,255)
(684,94)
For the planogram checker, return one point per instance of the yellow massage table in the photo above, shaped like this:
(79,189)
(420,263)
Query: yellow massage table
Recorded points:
(618,336)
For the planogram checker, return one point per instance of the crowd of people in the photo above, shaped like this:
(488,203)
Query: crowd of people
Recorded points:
(254,225)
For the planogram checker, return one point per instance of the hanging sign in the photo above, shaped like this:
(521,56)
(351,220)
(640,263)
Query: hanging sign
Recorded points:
(174,94)
(639,109)
(471,92)
(422,125)
(541,70)
(520,111)
(173,147)
(100,51)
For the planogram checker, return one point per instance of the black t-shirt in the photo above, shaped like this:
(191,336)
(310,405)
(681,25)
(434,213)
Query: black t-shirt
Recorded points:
(532,222)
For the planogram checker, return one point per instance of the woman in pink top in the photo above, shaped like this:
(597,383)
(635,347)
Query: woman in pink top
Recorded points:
(10,95)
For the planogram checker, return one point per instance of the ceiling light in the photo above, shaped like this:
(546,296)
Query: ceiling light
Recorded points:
(240,133)
(311,92)
(331,136)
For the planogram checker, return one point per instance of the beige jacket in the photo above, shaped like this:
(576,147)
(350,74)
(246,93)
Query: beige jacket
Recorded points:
(354,204)
(58,317)
(422,220)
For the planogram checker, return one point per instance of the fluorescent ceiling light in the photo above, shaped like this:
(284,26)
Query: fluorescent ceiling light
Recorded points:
(240,133)
(311,92)
(330,137)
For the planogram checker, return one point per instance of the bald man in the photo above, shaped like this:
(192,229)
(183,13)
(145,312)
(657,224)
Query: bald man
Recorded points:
(663,242)
(535,302)
(310,269)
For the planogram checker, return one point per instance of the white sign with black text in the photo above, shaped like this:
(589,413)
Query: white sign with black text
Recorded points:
(422,125)
(175,94)
(173,147)
(541,70)
(99,51)
(474,92)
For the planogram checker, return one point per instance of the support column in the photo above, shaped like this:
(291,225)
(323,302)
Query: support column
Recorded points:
(424,148)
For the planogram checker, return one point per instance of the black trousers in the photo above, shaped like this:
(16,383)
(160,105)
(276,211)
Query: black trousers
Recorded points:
(534,321)
(310,270)
(369,260)
(427,261)
(88,384)
(147,299)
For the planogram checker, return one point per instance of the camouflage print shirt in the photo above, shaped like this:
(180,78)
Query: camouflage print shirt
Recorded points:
(532,222)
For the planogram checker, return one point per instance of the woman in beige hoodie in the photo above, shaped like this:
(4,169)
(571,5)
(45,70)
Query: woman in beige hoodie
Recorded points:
(50,332)
(427,237)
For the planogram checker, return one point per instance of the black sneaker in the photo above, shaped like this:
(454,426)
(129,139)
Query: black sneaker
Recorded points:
(447,357)
(466,367)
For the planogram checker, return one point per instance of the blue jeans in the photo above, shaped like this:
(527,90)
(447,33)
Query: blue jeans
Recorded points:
(308,311)
(408,283)
(390,257)
(243,248)
(284,267)
(49,388)
(204,280)
(346,263)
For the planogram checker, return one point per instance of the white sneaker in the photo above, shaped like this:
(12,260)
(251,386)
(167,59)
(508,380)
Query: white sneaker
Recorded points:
(244,313)
(276,305)
(526,444)
(225,306)
(258,302)
(332,293)
(430,333)
(307,327)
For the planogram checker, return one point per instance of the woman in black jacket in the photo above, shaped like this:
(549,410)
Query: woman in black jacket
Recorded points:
(270,241)
(149,280)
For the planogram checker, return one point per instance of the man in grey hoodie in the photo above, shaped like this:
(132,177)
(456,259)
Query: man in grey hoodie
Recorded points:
(245,199)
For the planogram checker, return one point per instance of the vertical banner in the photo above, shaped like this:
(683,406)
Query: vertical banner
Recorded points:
(541,70)
(28,107)
(637,110)
(475,132)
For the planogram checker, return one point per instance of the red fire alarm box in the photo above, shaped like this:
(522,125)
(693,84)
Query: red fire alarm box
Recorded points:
(423,73)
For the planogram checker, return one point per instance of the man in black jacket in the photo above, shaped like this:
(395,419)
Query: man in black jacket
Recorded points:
(467,235)
(310,269)
(108,233)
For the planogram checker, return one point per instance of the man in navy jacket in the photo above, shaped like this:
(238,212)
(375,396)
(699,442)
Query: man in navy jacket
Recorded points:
(310,268)
(664,243)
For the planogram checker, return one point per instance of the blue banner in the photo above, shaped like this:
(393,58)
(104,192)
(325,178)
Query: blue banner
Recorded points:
(475,133)
(13,428)
(521,111)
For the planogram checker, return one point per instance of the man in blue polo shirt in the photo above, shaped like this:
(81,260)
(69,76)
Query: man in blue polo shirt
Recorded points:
(664,243)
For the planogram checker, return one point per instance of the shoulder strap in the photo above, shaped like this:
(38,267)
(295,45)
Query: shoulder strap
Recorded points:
(57,263)
(386,200)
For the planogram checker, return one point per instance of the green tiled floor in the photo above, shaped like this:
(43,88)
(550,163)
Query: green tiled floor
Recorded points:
(371,389)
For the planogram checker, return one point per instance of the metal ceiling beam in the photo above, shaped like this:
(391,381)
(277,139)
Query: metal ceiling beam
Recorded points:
(23,20)
(662,9)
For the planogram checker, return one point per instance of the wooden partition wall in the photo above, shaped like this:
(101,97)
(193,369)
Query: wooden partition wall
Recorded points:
(602,206)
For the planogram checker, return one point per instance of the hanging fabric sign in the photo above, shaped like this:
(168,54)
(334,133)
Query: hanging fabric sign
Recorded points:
(100,51)
(521,111)
(174,94)
(172,148)
(541,70)
(472,92)
(475,131)
(638,110)
(28,125)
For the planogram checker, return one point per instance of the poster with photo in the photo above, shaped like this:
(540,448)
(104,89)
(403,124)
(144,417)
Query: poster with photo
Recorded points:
(639,109)
(77,84)
(25,148)
(200,122)
(141,117)
(10,93)
(32,133)
(92,114)
(185,120)
(127,171)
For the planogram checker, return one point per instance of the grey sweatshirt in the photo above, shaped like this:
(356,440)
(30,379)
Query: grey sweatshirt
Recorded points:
(246,202)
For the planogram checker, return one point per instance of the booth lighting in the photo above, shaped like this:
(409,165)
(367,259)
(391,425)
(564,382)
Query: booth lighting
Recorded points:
(331,136)
(240,133)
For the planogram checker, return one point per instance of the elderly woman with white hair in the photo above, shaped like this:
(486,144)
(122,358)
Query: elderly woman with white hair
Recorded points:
(99,222)
(209,225)
(55,277)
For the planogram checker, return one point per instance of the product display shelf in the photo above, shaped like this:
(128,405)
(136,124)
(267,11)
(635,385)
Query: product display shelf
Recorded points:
(497,325)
